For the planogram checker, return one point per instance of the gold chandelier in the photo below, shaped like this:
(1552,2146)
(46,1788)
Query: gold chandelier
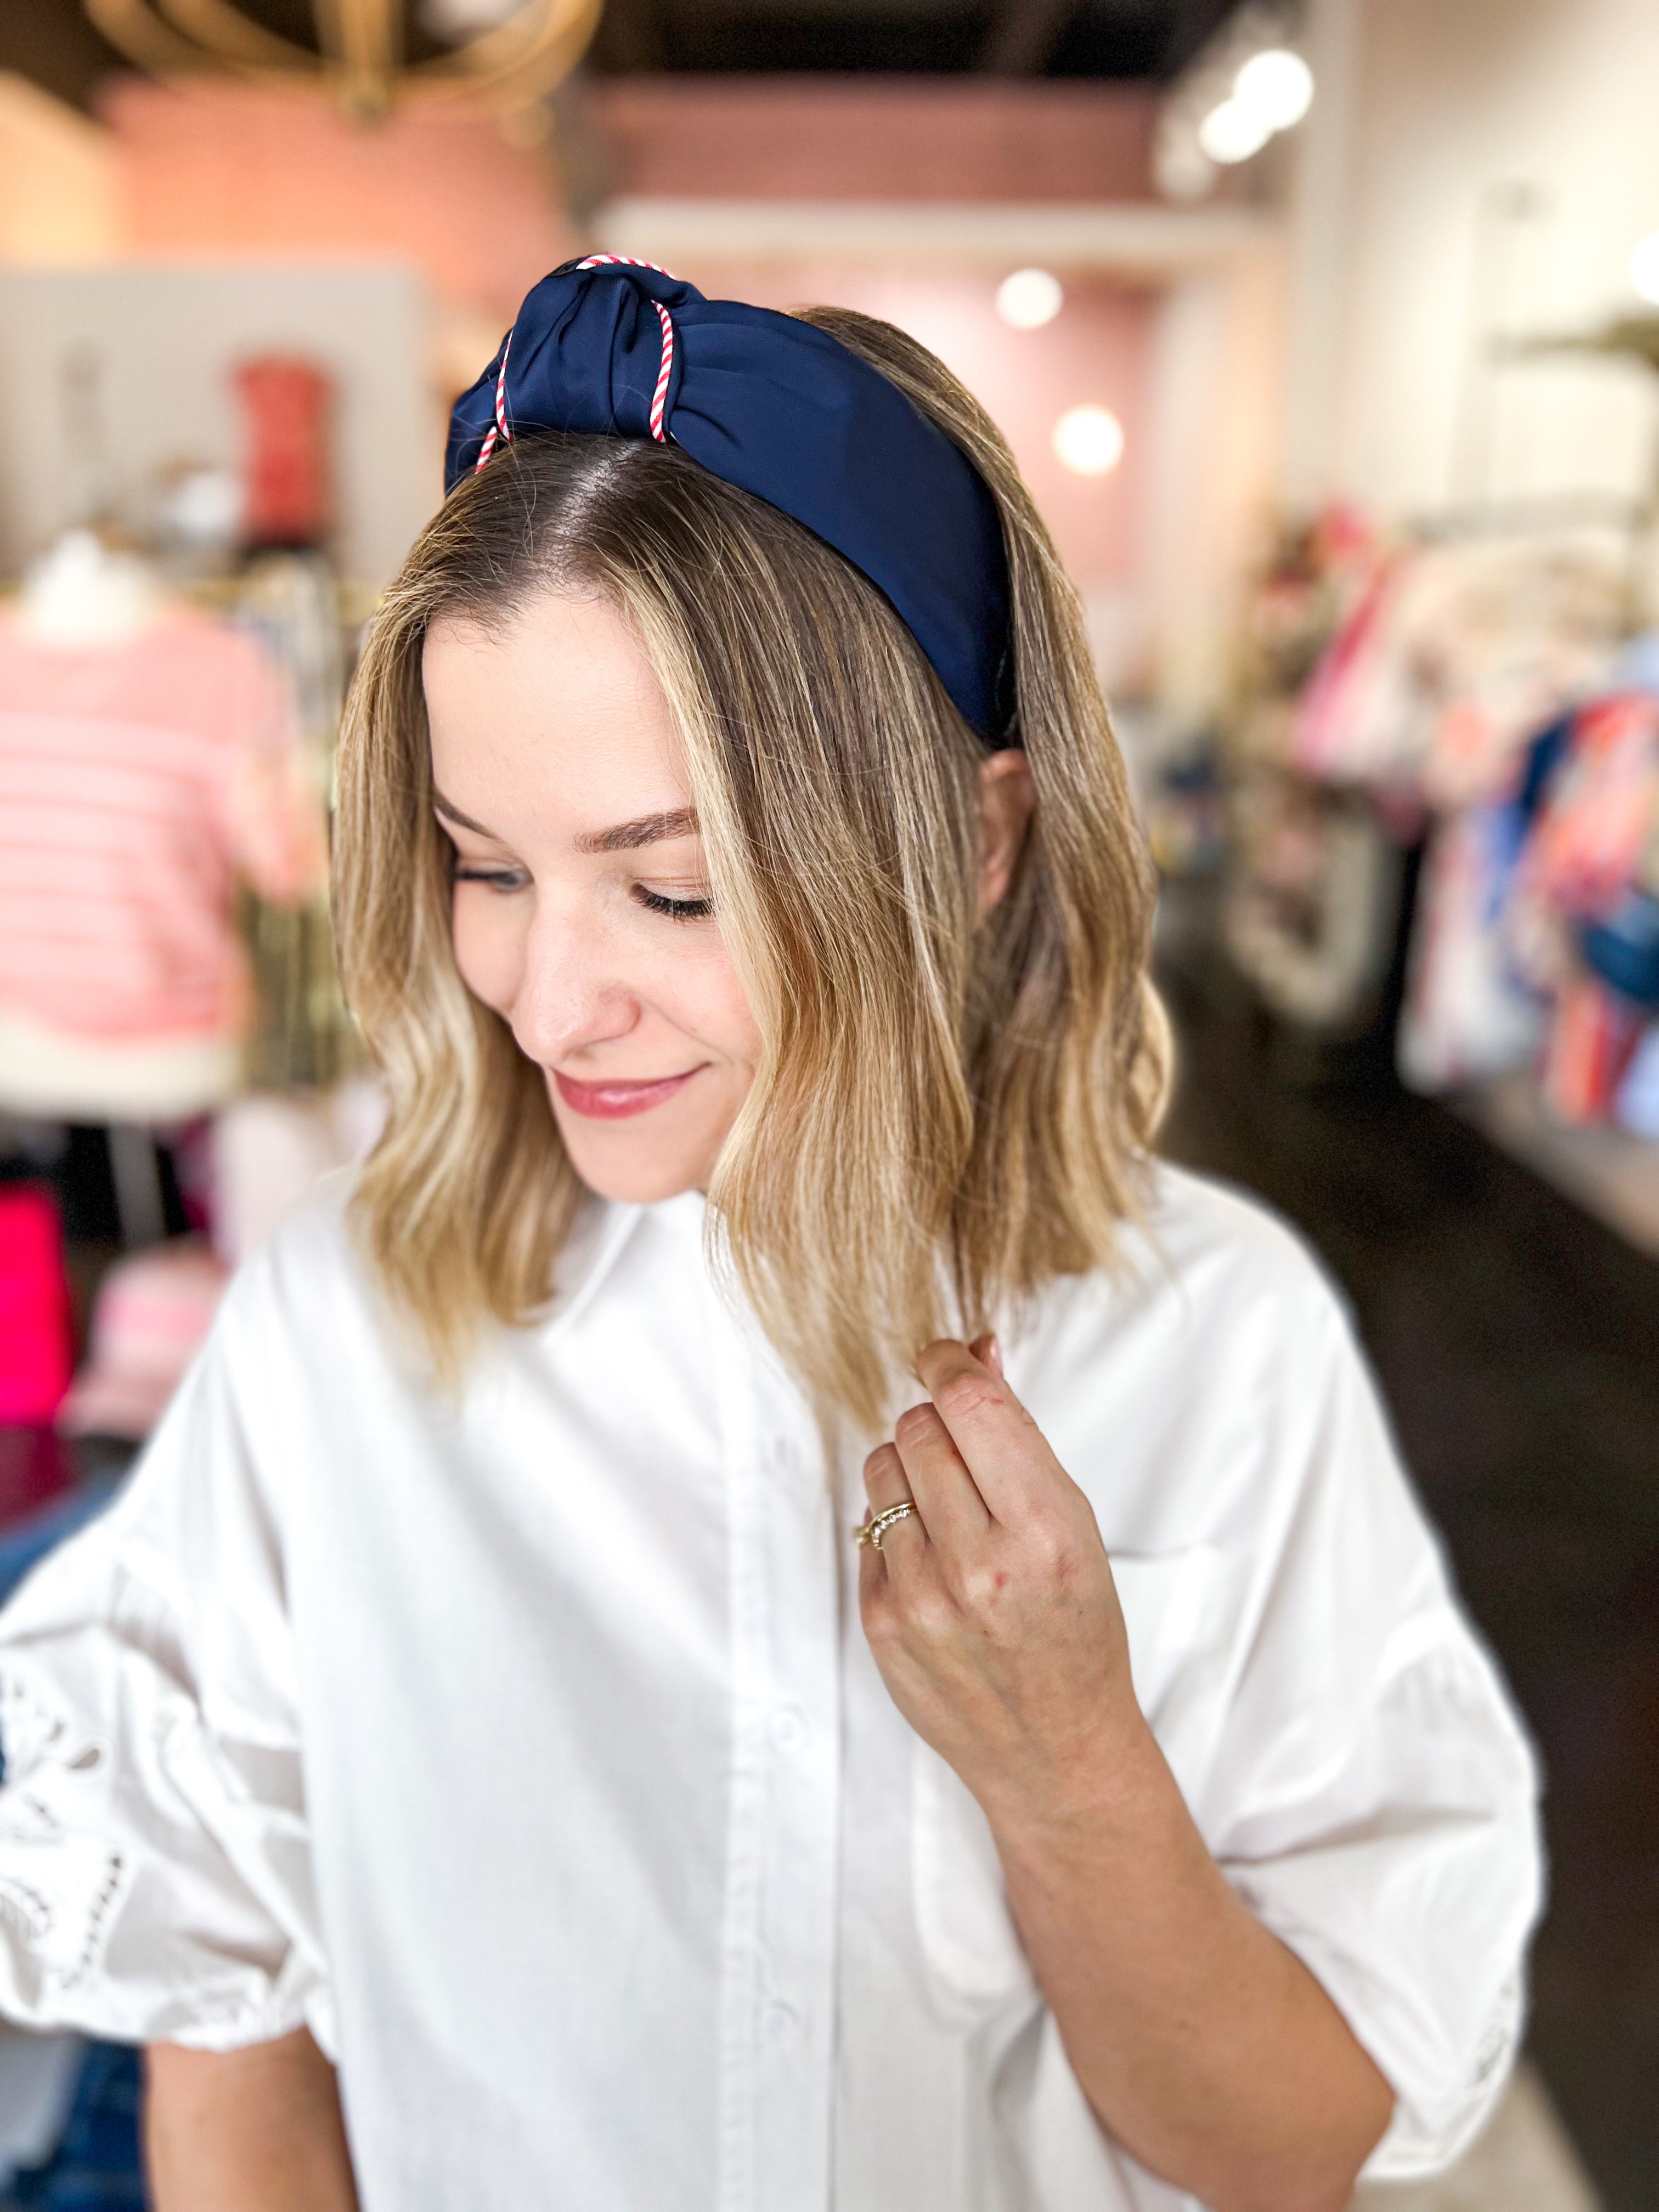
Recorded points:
(520,50)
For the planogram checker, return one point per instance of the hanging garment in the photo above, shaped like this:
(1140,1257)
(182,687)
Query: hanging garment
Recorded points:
(1312,902)
(1622,948)
(1599,817)
(528,1746)
(1636,1105)
(1469,1014)
(1456,654)
(1326,741)
(137,780)
(1593,1036)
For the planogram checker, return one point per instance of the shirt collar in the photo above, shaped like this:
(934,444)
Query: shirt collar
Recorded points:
(602,1232)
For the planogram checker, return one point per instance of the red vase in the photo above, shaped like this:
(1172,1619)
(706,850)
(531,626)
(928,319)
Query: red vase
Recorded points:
(286,480)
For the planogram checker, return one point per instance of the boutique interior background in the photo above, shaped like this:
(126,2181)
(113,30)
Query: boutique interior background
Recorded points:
(1260,343)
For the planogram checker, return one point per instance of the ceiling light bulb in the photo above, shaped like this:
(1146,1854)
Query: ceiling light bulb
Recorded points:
(1029,299)
(1644,268)
(463,19)
(1088,441)
(1277,87)
(1232,132)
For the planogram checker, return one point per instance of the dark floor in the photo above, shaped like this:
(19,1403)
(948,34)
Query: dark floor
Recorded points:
(1517,1343)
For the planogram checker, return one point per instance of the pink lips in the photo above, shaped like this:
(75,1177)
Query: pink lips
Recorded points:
(615,1101)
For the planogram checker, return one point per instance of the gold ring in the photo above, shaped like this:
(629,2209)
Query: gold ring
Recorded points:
(872,1530)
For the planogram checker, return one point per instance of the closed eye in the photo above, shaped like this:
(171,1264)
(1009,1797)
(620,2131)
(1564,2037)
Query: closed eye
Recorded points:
(677,909)
(498,879)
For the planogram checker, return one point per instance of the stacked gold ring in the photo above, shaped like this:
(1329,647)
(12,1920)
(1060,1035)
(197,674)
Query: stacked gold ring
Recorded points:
(872,1531)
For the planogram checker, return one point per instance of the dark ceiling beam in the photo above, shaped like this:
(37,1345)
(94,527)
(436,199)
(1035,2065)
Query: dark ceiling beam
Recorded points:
(51,44)
(630,40)
(1191,23)
(1023,36)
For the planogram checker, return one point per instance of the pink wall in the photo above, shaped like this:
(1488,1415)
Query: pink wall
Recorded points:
(238,170)
(1095,350)
(825,138)
(228,168)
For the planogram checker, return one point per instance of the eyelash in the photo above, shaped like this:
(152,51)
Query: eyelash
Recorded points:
(675,910)
(511,879)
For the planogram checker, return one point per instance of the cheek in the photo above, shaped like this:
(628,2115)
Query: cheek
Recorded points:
(711,1005)
(487,938)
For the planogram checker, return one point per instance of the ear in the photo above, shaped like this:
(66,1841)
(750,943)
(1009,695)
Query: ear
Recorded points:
(1006,796)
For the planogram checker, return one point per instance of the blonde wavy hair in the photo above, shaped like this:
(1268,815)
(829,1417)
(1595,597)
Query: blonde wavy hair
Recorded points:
(948,1111)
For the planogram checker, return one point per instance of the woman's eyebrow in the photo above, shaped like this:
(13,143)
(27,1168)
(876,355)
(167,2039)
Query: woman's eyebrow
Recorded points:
(623,837)
(461,821)
(649,829)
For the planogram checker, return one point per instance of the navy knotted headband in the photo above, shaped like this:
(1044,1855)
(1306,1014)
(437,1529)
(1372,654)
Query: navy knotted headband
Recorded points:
(780,409)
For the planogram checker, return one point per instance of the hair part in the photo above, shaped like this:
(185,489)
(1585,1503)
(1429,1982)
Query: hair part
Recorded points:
(948,1111)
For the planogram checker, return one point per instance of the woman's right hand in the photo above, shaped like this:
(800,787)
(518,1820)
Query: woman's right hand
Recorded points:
(258,2129)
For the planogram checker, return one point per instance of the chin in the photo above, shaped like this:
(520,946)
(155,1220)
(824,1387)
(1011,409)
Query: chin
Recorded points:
(641,1183)
(632,1170)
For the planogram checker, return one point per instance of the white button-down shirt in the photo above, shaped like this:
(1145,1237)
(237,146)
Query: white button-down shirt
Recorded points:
(528,1746)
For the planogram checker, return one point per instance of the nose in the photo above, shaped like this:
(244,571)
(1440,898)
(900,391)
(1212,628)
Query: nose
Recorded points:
(570,995)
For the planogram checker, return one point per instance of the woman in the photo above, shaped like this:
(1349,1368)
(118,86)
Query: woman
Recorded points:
(478,1683)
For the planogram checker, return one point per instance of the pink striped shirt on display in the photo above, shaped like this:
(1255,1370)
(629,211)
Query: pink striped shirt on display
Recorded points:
(136,782)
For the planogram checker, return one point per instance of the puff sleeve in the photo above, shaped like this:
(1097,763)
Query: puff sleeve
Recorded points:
(1375,1798)
(155,1863)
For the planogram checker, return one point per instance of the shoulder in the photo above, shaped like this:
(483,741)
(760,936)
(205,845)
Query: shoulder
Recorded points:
(1183,1384)
(310,1293)
(306,1284)
(305,1367)
(1204,1267)
(314,1240)
(1228,1255)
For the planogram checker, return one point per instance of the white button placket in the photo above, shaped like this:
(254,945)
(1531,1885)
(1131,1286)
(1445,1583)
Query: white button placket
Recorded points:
(778,1951)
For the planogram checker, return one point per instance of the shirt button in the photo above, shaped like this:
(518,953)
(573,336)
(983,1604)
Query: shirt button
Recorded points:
(780,2021)
(788,1729)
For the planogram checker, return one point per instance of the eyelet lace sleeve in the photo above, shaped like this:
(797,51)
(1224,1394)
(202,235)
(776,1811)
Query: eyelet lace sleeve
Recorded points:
(155,1862)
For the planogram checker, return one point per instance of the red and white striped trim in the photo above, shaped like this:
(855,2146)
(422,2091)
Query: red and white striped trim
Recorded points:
(666,368)
(502,429)
(501,426)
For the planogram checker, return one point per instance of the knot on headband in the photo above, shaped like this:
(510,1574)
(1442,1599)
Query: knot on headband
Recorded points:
(620,349)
